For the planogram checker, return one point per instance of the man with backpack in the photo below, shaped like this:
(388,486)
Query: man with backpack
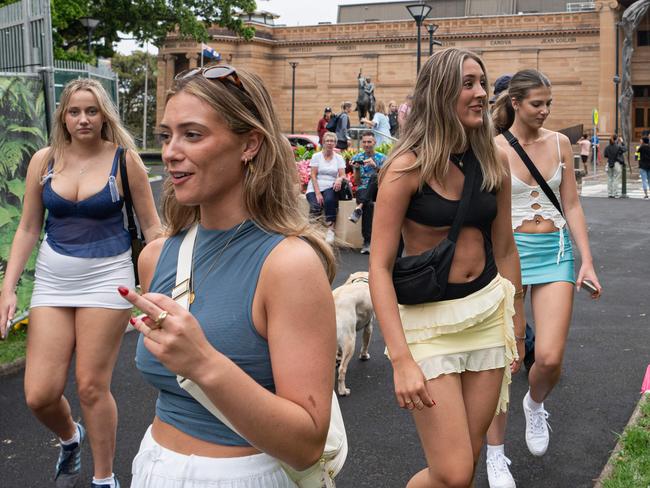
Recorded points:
(341,124)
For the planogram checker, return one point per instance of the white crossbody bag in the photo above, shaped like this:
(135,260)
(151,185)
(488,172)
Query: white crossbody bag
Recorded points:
(321,474)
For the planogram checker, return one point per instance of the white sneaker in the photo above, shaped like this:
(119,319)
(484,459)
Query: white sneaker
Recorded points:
(498,472)
(537,428)
(329,236)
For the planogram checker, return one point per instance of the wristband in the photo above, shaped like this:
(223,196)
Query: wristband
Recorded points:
(519,294)
(519,339)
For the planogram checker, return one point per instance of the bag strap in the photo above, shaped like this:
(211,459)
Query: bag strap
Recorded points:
(512,140)
(181,294)
(128,201)
(471,165)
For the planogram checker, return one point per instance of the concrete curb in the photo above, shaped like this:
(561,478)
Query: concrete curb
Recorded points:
(609,466)
(12,367)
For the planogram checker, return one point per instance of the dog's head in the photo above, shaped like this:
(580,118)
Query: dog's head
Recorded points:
(359,276)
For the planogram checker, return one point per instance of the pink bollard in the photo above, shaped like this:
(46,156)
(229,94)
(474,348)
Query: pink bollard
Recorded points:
(645,386)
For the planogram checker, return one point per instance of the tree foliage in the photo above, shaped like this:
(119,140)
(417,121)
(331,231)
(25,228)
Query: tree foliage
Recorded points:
(131,72)
(146,20)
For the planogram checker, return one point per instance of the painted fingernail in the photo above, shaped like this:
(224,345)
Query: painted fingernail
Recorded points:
(123,290)
(132,321)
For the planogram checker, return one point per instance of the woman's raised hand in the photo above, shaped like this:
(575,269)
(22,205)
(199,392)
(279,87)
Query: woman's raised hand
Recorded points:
(172,334)
(410,385)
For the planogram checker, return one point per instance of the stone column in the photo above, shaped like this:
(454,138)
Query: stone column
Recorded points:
(194,59)
(165,79)
(609,15)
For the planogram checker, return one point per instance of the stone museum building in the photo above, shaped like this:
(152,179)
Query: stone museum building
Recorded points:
(573,43)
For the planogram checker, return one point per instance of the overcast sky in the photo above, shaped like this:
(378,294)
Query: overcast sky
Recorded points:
(309,12)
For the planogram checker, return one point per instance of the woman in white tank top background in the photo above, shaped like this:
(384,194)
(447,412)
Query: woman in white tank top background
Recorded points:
(545,251)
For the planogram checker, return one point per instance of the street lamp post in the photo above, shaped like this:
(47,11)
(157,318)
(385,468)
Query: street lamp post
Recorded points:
(293,65)
(432,28)
(617,80)
(90,24)
(419,12)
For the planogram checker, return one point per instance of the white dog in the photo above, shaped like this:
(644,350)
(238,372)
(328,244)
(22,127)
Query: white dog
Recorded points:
(353,313)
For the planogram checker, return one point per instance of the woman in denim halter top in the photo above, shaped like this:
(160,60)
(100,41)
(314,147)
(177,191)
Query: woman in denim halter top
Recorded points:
(85,254)
(259,337)
(545,250)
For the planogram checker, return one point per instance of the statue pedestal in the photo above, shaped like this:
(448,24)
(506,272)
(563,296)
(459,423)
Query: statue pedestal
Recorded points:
(345,230)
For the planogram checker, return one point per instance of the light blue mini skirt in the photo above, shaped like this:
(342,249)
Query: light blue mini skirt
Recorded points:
(545,258)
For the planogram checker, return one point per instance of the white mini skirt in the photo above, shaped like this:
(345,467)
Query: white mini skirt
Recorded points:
(157,467)
(69,281)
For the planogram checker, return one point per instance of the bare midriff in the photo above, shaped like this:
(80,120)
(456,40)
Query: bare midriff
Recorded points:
(469,257)
(173,439)
(539,225)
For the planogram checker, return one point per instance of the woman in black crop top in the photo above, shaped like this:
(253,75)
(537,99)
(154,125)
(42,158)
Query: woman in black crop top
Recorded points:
(87,251)
(451,358)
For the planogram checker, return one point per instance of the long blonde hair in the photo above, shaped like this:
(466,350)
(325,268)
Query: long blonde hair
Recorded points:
(112,129)
(503,113)
(270,190)
(433,130)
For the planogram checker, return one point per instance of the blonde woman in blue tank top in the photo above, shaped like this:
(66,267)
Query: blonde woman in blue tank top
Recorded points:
(86,251)
(545,250)
(259,337)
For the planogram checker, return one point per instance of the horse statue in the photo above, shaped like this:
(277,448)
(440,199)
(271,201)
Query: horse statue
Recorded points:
(365,98)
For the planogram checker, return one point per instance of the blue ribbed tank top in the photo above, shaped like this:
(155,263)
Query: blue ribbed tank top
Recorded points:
(89,228)
(223,306)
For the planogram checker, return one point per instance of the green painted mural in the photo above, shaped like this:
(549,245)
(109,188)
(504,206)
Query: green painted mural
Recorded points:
(22,133)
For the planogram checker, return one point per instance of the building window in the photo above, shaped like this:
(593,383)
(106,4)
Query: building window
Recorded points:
(641,91)
(643,38)
(639,117)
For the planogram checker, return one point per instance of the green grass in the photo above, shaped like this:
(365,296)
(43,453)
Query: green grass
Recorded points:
(632,465)
(13,347)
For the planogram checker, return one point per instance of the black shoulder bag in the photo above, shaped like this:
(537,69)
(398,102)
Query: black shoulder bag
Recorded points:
(512,140)
(423,278)
(137,240)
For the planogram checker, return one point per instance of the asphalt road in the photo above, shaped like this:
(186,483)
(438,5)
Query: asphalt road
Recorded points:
(605,361)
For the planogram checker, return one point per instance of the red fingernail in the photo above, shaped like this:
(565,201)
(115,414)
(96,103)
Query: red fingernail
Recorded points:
(123,290)
(132,321)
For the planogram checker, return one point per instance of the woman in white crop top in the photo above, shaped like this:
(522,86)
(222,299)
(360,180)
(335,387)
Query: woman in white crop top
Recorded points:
(545,251)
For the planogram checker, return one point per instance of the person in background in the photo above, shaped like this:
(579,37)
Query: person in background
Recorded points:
(86,251)
(231,174)
(343,127)
(327,175)
(321,128)
(545,250)
(500,85)
(366,165)
(585,149)
(451,358)
(403,112)
(644,163)
(379,124)
(392,119)
(615,155)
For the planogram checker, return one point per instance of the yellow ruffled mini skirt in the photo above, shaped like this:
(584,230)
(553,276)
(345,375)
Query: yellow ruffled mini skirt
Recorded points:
(474,333)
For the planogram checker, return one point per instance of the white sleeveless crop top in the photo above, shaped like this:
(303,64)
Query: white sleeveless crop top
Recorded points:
(525,197)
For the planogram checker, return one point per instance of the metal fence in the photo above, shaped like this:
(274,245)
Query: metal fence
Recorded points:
(65,71)
(26,47)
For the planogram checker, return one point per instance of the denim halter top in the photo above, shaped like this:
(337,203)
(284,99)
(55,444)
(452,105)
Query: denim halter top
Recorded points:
(223,303)
(88,228)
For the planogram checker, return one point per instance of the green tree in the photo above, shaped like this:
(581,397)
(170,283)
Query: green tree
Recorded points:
(131,72)
(146,20)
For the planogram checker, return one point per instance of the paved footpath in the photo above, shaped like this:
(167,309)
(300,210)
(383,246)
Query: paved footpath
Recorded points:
(606,357)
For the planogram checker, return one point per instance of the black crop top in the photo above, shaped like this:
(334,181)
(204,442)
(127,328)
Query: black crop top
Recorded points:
(427,207)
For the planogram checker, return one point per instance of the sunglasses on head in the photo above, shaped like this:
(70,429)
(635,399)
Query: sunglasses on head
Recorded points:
(222,73)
